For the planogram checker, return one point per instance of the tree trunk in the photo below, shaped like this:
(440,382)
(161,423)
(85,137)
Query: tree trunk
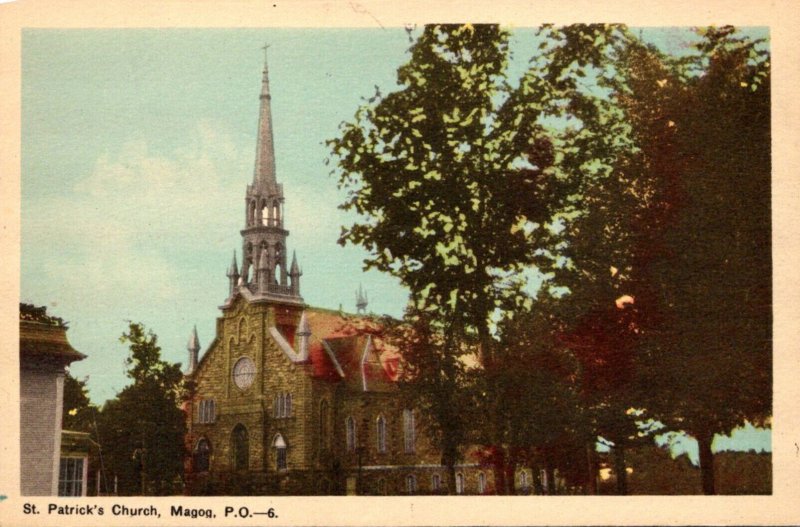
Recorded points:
(449,462)
(511,466)
(620,469)
(500,471)
(550,475)
(706,462)
(591,471)
(538,486)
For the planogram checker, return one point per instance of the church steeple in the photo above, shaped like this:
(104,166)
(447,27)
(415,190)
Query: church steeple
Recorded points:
(264,271)
(264,173)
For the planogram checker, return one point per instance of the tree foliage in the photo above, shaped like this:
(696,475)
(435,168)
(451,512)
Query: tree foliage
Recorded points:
(78,411)
(436,381)
(638,180)
(544,420)
(674,166)
(712,355)
(448,175)
(142,429)
(444,174)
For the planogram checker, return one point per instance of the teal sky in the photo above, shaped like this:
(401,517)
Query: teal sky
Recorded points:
(137,146)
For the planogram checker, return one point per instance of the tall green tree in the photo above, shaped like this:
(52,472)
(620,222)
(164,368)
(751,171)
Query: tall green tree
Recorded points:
(447,175)
(143,428)
(433,170)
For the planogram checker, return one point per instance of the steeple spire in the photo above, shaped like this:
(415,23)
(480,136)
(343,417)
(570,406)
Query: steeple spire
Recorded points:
(294,274)
(194,349)
(234,269)
(264,271)
(233,275)
(264,173)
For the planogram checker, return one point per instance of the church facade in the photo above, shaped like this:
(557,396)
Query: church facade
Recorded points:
(291,399)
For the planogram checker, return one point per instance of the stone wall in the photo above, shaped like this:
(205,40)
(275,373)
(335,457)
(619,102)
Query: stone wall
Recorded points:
(318,460)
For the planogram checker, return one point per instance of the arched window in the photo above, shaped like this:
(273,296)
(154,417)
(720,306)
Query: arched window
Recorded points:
(350,433)
(411,484)
(436,482)
(459,483)
(381,426)
(282,405)
(240,448)
(280,452)
(481,483)
(206,411)
(523,480)
(323,424)
(276,277)
(202,455)
(276,212)
(409,434)
(265,215)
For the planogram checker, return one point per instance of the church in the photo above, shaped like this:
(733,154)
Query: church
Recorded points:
(290,399)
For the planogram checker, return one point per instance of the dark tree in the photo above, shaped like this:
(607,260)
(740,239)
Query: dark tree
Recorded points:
(78,411)
(435,379)
(607,224)
(143,428)
(710,365)
(545,422)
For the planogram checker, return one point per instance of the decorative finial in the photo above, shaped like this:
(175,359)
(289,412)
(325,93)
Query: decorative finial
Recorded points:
(233,271)
(194,342)
(361,301)
(194,349)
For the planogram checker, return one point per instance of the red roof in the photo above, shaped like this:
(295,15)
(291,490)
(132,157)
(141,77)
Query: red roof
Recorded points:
(350,348)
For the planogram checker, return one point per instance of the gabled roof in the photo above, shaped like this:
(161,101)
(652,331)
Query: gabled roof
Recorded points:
(349,348)
(341,348)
